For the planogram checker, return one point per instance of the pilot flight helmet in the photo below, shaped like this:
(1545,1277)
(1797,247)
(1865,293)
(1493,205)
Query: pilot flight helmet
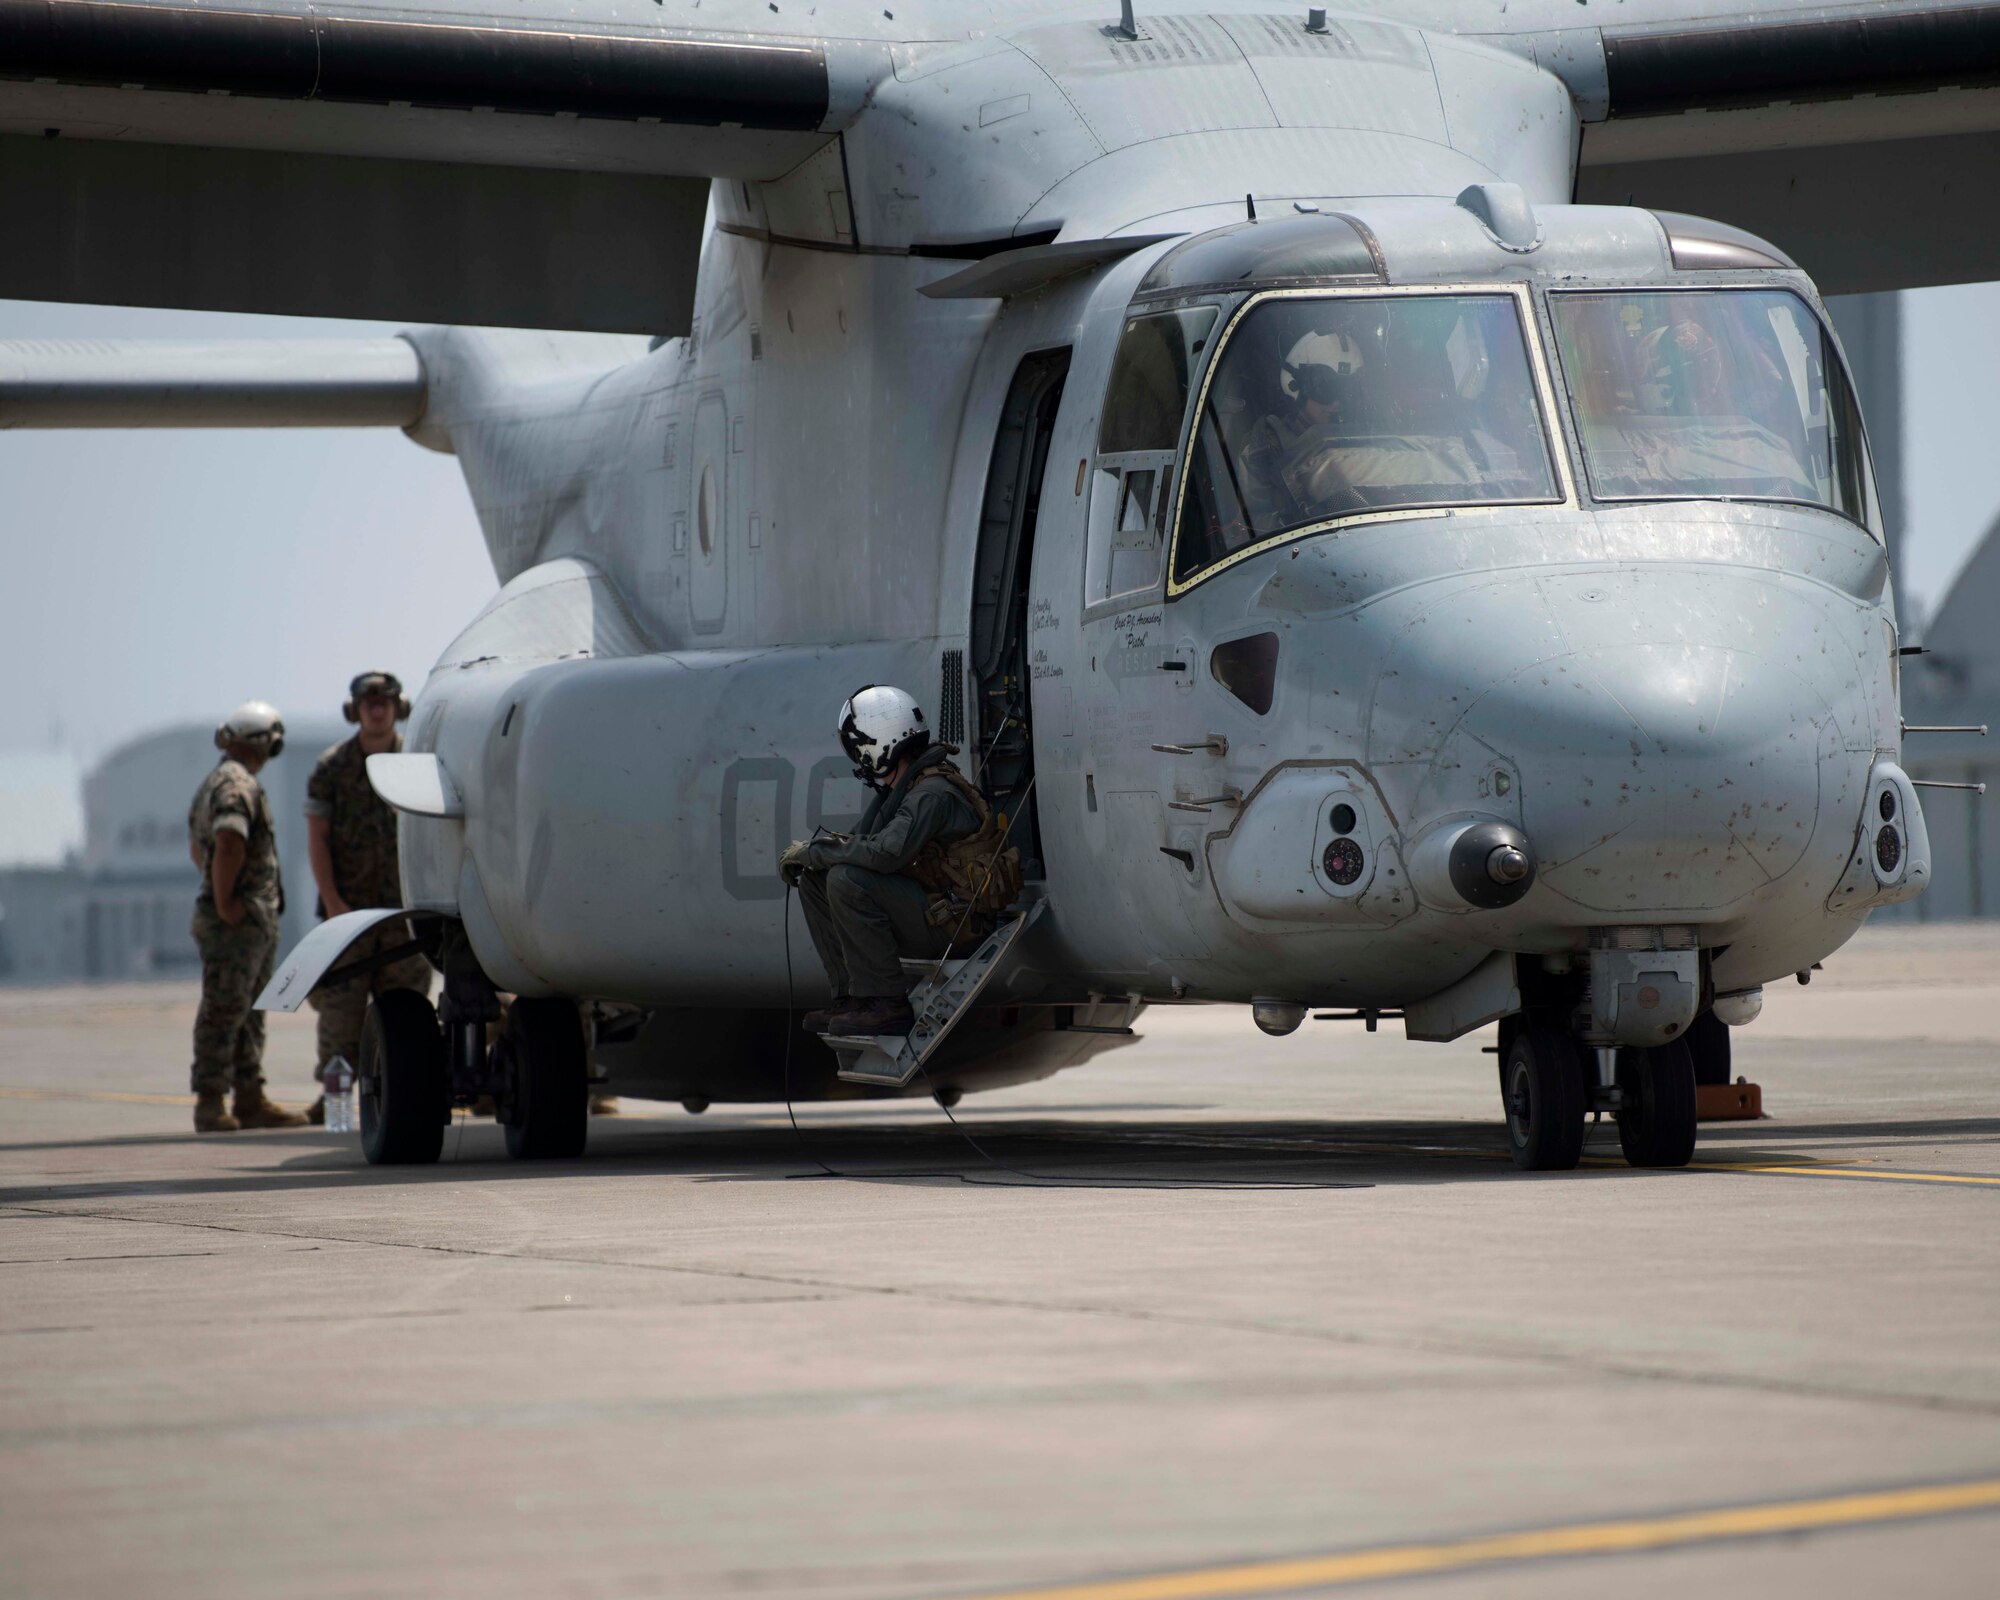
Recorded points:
(880,725)
(1318,366)
(255,722)
(368,683)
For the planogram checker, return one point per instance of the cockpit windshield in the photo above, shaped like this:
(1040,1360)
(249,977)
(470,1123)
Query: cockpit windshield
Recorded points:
(1710,394)
(1326,407)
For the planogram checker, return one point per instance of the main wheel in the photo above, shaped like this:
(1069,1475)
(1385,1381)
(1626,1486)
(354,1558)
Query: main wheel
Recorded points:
(405,1099)
(1543,1076)
(1707,1039)
(546,1069)
(1656,1116)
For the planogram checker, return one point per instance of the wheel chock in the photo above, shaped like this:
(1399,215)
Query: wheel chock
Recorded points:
(1740,1101)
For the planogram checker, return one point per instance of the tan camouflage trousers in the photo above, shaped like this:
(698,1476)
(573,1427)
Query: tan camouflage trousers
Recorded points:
(236,963)
(343,1006)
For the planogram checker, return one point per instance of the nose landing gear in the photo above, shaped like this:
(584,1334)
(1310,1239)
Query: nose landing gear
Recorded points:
(1656,1105)
(1549,1083)
(1543,1078)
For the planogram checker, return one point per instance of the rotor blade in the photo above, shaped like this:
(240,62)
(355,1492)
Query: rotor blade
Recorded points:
(1859,139)
(299,383)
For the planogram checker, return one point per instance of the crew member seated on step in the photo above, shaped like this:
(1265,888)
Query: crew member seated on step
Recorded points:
(928,861)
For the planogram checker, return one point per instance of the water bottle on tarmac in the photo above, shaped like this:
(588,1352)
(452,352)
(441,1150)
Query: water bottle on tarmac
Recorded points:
(339,1086)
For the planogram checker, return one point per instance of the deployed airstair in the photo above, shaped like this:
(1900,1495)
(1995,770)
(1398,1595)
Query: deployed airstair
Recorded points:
(945,993)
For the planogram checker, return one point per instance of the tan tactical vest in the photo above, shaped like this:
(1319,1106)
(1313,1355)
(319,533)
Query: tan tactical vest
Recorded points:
(974,871)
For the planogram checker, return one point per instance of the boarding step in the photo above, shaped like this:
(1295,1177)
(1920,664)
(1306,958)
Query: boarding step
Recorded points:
(944,993)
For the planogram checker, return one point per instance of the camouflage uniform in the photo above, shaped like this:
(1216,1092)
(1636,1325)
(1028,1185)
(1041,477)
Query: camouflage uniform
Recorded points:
(362,840)
(236,959)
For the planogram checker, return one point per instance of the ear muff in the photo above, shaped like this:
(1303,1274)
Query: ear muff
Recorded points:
(274,744)
(352,712)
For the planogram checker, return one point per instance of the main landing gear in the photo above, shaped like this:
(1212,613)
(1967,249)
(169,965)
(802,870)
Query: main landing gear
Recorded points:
(405,1095)
(418,1061)
(1550,1082)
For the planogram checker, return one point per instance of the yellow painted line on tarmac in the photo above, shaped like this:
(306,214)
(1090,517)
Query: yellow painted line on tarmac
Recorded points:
(111,1095)
(1539,1544)
(1885,1176)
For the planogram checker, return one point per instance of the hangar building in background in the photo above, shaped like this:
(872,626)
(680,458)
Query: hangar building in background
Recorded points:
(1958,683)
(119,909)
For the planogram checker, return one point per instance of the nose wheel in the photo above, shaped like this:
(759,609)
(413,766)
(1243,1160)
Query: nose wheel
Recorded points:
(1656,1105)
(1542,1081)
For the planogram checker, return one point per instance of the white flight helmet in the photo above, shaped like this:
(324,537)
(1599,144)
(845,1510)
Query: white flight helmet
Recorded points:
(878,725)
(255,722)
(1334,351)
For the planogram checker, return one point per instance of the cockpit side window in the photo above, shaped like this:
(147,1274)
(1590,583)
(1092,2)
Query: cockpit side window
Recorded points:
(1326,408)
(1715,394)
(1131,488)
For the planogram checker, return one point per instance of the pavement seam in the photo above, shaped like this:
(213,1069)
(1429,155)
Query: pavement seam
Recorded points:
(1568,1361)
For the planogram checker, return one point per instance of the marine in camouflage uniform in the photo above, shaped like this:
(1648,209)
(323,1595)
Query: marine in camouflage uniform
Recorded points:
(236,957)
(361,843)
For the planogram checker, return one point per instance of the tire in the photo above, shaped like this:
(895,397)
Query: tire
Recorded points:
(1656,1123)
(1707,1040)
(405,1099)
(1545,1102)
(546,1112)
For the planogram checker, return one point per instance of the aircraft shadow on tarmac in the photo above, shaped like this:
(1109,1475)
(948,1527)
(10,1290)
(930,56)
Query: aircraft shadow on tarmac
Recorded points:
(1035,1151)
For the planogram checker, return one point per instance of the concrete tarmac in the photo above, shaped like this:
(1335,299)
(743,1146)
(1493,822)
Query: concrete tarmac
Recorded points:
(1218,1315)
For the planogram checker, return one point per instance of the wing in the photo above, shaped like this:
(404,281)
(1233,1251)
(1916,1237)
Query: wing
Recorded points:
(549,166)
(450,165)
(1864,139)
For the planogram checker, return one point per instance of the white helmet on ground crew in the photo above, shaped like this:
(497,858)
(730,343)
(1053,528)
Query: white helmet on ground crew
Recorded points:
(255,722)
(879,725)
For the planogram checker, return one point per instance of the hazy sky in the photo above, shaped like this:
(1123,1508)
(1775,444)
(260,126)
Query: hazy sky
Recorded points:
(154,575)
(149,576)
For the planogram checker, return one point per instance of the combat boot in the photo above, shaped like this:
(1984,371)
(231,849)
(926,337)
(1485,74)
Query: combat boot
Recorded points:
(211,1116)
(316,1113)
(816,1021)
(876,1017)
(254,1111)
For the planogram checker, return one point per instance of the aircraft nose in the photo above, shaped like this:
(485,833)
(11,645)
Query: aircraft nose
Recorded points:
(1671,742)
(1668,778)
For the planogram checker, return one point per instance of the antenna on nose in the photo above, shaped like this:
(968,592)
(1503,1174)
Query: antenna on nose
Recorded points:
(1128,24)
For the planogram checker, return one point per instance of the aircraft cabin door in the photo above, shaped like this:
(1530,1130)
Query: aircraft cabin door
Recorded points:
(1003,708)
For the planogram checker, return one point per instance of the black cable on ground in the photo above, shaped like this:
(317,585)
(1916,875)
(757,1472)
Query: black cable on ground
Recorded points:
(791,1027)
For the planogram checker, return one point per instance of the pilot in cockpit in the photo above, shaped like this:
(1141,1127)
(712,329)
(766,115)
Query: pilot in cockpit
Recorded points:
(1291,466)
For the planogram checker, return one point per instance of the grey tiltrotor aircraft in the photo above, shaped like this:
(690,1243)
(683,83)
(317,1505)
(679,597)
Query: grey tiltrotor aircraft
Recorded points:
(1382,548)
